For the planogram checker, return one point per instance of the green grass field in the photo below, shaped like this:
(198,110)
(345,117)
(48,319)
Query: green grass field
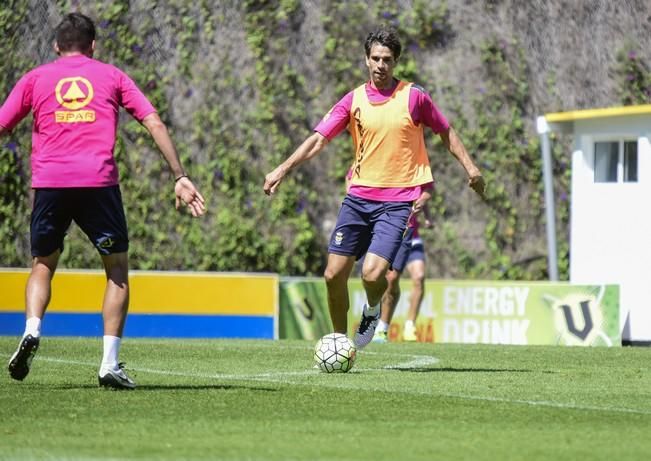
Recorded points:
(261,400)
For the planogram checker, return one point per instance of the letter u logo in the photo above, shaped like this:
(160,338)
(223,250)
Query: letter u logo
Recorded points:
(587,320)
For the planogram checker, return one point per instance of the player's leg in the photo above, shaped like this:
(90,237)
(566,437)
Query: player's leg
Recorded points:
(374,278)
(388,221)
(37,297)
(389,302)
(49,222)
(116,294)
(416,270)
(114,312)
(100,214)
(38,290)
(392,294)
(375,284)
(336,276)
(349,241)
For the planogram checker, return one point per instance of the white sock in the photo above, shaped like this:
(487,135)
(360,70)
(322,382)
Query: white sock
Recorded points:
(111,352)
(381,326)
(371,310)
(409,324)
(33,327)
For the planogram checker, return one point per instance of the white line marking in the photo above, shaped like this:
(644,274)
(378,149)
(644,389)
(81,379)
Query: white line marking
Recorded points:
(547,403)
(420,361)
(416,362)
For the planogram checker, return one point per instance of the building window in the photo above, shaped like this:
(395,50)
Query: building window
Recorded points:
(630,161)
(615,161)
(605,161)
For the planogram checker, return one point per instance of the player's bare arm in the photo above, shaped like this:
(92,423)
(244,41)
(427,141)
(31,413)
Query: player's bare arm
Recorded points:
(420,202)
(184,189)
(429,219)
(453,143)
(308,149)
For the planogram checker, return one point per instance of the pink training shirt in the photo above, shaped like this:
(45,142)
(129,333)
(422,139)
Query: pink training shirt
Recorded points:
(75,102)
(422,110)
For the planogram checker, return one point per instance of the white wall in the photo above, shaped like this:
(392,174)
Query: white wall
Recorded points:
(610,238)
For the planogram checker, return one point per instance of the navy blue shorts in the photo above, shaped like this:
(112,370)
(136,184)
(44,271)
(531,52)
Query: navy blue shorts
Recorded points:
(369,226)
(417,252)
(410,250)
(98,211)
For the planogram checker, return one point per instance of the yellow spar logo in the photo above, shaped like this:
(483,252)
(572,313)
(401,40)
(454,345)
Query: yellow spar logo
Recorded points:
(74,93)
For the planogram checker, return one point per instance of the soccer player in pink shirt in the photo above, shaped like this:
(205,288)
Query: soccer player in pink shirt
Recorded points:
(386,118)
(75,102)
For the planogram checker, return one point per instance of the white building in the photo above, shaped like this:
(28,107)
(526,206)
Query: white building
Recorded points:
(610,236)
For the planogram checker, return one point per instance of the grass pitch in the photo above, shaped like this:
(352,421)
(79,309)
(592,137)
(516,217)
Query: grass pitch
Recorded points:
(261,400)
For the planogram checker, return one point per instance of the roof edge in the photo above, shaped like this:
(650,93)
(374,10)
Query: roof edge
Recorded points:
(570,116)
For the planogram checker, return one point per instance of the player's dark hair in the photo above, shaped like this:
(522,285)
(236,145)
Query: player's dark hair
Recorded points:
(385,36)
(75,33)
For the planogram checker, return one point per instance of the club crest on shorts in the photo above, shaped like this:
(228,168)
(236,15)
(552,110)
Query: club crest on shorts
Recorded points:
(339,237)
(105,242)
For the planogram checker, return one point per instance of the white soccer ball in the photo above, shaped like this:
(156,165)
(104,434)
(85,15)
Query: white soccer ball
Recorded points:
(335,353)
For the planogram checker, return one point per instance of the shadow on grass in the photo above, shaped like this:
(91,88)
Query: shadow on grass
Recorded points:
(461,370)
(201,387)
(154,387)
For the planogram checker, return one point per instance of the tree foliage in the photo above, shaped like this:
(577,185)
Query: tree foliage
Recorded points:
(241,84)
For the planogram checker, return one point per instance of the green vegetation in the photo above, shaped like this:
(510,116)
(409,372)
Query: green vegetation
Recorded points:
(633,76)
(244,400)
(241,84)
(14,180)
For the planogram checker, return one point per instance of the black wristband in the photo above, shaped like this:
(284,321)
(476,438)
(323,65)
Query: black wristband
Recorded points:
(182,176)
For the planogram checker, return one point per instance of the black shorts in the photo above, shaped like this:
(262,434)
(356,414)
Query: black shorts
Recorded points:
(98,211)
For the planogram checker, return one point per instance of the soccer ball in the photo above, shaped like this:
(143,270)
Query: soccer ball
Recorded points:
(335,353)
